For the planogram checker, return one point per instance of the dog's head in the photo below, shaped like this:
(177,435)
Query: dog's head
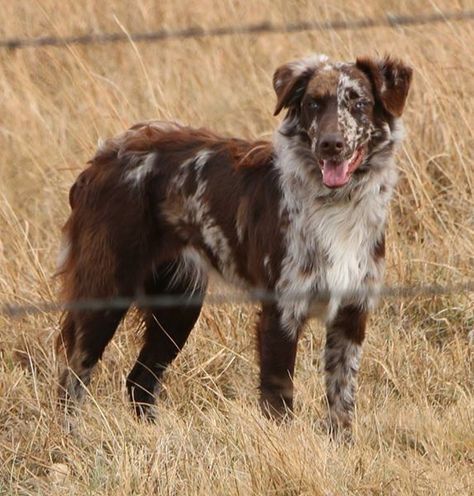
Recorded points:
(342,112)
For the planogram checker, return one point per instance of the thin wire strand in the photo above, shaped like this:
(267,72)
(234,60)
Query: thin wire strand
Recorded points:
(390,20)
(15,310)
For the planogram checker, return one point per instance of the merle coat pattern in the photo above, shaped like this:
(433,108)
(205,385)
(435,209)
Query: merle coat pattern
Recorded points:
(161,204)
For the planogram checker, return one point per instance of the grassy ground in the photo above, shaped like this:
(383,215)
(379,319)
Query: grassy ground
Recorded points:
(414,430)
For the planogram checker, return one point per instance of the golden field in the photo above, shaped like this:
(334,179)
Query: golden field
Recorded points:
(414,427)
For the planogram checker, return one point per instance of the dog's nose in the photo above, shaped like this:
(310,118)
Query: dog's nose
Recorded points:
(331,144)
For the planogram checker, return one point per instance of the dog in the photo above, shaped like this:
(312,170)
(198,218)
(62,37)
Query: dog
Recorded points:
(301,217)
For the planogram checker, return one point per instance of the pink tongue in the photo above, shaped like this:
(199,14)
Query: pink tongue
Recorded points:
(335,173)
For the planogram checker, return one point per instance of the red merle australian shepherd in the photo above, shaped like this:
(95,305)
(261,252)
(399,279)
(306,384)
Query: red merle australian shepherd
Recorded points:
(162,204)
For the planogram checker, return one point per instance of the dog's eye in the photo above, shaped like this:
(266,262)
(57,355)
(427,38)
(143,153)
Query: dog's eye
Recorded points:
(313,105)
(361,104)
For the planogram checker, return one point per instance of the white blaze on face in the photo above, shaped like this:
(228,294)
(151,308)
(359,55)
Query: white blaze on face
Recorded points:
(348,125)
(337,172)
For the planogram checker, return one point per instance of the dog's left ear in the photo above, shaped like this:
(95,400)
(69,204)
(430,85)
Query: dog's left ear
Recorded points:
(391,80)
(289,82)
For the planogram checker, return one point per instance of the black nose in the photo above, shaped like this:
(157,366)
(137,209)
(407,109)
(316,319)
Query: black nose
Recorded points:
(331,144)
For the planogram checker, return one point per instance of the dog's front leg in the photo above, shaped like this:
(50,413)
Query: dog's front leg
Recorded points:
(344,338)
(277,349)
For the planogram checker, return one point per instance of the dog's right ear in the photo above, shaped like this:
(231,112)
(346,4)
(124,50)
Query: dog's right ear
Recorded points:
(289,82)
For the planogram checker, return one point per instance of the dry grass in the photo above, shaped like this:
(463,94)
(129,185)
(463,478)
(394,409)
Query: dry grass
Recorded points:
(414,432)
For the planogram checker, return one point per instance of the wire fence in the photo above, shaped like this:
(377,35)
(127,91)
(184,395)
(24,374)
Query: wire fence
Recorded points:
(15,310)
(389,20)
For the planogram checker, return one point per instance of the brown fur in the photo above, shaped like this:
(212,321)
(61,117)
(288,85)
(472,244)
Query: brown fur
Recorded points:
(160,203)
(323,84)
(391,79)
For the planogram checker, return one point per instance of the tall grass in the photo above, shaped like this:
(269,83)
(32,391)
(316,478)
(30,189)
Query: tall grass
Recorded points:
(414,429)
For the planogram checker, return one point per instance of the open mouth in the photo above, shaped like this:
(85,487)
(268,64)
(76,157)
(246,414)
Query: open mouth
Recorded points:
(337,173)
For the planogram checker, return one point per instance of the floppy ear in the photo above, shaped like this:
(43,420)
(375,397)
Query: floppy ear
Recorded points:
(391,80)
(289,82)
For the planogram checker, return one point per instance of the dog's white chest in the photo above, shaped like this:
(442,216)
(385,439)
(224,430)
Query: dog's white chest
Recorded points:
(346,235)
(329,251)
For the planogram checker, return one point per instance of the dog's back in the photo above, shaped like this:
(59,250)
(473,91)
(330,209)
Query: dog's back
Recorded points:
(160,190)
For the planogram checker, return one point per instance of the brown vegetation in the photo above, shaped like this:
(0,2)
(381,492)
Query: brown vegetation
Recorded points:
(414,428)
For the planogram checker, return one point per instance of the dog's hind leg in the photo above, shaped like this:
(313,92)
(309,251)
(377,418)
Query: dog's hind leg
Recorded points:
(84,336)
(92,272)
(167,328)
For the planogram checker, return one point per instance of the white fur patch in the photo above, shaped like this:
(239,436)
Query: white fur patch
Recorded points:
(307,63)
(139,172)
(398,131)
(195,211)
(192,267)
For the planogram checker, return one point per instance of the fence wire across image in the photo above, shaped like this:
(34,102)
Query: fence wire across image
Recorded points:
(15,310)
(390,20)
